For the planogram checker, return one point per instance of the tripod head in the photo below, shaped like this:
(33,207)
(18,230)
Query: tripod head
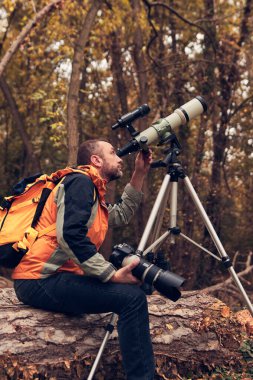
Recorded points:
(171,161)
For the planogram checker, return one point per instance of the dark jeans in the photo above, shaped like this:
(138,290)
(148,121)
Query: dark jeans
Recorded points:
(69,293)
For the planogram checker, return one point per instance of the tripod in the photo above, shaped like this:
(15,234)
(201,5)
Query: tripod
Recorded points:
(168,188)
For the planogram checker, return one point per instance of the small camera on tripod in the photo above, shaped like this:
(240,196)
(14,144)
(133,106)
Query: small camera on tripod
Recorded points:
(164,281)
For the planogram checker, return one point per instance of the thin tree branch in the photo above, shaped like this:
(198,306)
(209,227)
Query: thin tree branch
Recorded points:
(223,285)
(235,258)
(149,5)
(26,30)
(241,105)
(34,7)
(248,261)
(152,39)
(7,29)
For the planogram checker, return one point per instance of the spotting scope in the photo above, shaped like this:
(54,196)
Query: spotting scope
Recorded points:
(161,130)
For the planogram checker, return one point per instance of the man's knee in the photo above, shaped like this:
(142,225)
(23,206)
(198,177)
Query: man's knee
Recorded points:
(135,297)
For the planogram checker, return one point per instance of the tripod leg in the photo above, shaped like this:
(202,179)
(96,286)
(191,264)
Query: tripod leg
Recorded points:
(109,330)
(217,242)
(156,244)
(153,214)
(156,241)
(173,208)
(159,218)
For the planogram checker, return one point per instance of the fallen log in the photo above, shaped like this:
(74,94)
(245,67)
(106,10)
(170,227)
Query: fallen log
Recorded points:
(197,333)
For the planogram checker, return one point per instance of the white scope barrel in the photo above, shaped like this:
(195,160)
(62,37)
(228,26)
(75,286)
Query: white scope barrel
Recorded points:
(180,116)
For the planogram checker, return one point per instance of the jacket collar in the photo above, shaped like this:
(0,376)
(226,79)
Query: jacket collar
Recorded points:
(98,181)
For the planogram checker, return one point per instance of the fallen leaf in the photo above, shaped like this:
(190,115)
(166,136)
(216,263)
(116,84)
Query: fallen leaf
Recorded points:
(225,312)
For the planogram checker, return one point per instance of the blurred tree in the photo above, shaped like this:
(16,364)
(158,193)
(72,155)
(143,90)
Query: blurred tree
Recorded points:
(75,81)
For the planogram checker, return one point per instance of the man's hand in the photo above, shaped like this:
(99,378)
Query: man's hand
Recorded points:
(142,162)
(124,275)
(142,165)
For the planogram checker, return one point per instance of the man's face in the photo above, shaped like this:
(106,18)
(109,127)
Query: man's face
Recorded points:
(111,166)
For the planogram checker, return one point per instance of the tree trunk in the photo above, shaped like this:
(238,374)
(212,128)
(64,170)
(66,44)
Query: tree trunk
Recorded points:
(198,333)
(119,107)
(141,73)
(229,76)
(33,163)
(74,86)
(189,258)
(227,58)
(117,71)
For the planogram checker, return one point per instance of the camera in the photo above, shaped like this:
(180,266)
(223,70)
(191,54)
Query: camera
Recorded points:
(164,281)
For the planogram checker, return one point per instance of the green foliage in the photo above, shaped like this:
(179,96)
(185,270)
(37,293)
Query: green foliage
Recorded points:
(247,352)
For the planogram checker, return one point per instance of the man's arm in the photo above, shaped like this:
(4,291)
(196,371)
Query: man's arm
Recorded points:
(75,199)
(122,212)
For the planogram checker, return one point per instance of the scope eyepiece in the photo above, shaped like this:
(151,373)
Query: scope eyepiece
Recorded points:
(131,116)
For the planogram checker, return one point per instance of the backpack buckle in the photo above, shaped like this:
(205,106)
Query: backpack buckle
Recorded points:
(36,200)
(5,204)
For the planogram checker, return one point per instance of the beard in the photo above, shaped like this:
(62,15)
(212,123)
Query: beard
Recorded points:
(116,174)
(111,174)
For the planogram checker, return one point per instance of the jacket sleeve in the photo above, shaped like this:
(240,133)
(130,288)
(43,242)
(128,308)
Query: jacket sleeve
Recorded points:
(121,213)
(75,200)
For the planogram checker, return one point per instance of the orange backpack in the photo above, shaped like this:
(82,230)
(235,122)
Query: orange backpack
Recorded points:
(20,213)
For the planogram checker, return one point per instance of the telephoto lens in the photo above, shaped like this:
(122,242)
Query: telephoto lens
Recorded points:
(147,288)
(165,282)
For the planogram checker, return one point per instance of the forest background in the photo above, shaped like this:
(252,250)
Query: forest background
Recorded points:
(70,69)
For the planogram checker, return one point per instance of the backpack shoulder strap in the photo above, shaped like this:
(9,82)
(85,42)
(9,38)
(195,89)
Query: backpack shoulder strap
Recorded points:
(53,180)
(43,198)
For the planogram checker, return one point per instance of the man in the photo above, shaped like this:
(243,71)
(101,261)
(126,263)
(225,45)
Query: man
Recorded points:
(64,271)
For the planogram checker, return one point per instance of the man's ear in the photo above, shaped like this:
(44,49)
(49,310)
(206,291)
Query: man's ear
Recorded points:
(96,161)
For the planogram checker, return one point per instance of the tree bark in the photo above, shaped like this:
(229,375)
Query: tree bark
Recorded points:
(74,86)
(141,73)
(189,259)
(119,107)
(229,76)
(198,333)
(117,71)
(24,33)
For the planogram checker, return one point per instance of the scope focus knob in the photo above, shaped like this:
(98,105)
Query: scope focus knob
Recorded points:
(143,140)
